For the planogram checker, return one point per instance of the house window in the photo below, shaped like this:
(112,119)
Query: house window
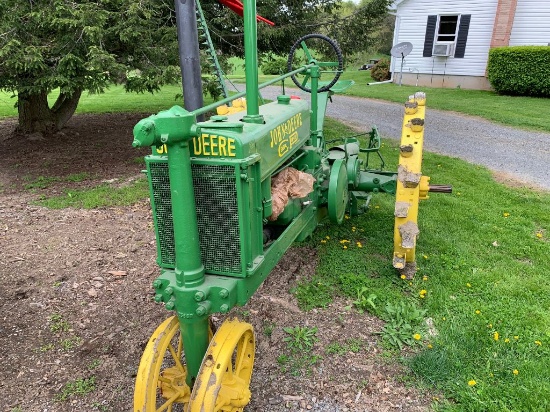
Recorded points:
(447,28)
(446,35)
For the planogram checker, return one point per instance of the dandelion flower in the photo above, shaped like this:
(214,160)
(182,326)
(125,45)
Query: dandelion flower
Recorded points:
(506,214)
(346,217)
(506,340)
(424,278)
(377,207)
(425,256)
(539,235)
(538,342)
(417,336)
(430,346)
(515,371)
(422,293)
(344,247)
(353,229)
(323,241)
(359,244)
(516,337)
(444,318)
(403,277)
(327,237)
(471,382)
(478,312)
(468,285)
(495,336)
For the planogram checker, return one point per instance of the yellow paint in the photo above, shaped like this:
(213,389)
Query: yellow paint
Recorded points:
(147,378)
(213,145)
(162,149)
(217,388)
(413,163)
(285,136)
(237,105)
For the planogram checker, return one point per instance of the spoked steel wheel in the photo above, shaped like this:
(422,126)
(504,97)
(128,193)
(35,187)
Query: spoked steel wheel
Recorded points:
(161,378)
(160,381)
(223,383)
(321,45)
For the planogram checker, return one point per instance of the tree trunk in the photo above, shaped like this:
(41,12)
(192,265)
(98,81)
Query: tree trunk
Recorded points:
(35,116)
(64,108)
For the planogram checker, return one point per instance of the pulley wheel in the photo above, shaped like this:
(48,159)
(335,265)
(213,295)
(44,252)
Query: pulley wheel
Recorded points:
(338,192)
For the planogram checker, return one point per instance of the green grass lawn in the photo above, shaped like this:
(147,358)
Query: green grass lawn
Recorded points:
(114,100)
(483,280)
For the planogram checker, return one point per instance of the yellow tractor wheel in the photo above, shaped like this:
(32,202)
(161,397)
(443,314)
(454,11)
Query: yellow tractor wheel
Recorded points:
(161,378)
(411,185)
(160,381)
(223,383)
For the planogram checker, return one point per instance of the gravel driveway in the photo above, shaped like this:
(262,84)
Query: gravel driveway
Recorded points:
(524,155)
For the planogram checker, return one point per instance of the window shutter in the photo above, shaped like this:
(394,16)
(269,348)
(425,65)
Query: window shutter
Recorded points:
(430,35)
(462,35)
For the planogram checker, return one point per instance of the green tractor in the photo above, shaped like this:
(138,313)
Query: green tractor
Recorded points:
(230,195)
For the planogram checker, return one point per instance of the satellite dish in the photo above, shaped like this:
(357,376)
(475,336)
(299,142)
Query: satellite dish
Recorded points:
(401,49)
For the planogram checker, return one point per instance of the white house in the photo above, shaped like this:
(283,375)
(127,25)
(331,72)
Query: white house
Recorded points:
(452,38)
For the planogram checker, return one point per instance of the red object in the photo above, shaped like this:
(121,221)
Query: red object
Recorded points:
(294,97)
(237,7)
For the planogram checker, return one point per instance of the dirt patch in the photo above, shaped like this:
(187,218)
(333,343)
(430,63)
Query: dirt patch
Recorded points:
(507,179)
(76,296)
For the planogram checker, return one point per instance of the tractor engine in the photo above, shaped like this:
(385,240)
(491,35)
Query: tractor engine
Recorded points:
(232,165)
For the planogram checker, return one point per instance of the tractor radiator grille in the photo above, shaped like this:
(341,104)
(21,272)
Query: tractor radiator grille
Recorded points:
(217,216)
(162,207)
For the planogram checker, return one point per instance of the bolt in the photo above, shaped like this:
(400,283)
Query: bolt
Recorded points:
(201,311)
(199,296)
(170,305)
(169,290)
(158,297)
(223,293)
(157,283)
(224,308)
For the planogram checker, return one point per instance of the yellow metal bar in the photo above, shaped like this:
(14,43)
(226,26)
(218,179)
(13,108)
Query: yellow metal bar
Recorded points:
(411,185)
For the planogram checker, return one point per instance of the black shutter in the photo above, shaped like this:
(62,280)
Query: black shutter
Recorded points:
(430,35)
(462,35)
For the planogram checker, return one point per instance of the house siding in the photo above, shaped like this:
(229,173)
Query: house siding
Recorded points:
(413,15)
(531,24)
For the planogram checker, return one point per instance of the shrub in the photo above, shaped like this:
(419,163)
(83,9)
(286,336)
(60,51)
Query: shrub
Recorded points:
(381,70)
(274,66)
(520,70)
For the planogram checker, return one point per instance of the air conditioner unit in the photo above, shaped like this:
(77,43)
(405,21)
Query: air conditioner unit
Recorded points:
(443,49)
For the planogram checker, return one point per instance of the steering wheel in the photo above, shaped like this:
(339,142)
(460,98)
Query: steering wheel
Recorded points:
(337,66)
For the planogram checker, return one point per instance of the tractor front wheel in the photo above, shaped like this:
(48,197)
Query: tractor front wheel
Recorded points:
(160,381)
(223,382)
